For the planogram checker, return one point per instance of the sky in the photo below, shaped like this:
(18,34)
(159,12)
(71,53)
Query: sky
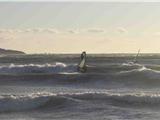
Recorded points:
(72,27)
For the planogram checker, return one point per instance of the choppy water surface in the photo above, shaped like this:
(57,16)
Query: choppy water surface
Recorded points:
(50,87)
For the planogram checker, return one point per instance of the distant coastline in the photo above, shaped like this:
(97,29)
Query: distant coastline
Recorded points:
(10,52)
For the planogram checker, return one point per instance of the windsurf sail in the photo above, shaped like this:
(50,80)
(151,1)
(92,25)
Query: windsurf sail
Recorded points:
(136,57)
(82,65)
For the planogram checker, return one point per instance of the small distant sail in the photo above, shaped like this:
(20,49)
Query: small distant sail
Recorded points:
(136,57)
(82,65)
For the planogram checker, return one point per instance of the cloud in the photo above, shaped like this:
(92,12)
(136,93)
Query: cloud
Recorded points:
(6,31)
(30,30)
(11,30)
(38,30)
(27,30)
(122,30)
(51,30)
(96,30)
(17,31)
(35,30)
(73,31)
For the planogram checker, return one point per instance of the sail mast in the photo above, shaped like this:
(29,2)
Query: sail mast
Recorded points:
(135,59)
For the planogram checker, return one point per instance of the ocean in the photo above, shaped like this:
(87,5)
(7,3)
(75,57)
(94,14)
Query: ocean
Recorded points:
(49,87)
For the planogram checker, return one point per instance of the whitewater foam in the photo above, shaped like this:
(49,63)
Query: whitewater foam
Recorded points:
(131,64)
(38,68)
(141,69)
(43,100)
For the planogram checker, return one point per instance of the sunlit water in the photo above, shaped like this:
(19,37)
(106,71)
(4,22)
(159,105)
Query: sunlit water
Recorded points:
(50,87)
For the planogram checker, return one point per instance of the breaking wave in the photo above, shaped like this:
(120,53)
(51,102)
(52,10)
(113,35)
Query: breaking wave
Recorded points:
(11,103)
(142,69)
(131,64)
(38,68)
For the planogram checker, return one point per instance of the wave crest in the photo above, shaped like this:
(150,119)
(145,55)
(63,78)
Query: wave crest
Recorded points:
(38,68)
(45,100)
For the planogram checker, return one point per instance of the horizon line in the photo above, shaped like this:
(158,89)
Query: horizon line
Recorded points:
(100,53)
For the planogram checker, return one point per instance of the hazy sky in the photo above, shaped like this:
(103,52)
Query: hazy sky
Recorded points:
(71,27)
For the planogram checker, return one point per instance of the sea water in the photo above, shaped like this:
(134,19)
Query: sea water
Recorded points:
(39,87)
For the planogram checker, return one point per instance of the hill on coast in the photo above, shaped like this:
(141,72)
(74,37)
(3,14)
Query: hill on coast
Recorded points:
(8,51)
